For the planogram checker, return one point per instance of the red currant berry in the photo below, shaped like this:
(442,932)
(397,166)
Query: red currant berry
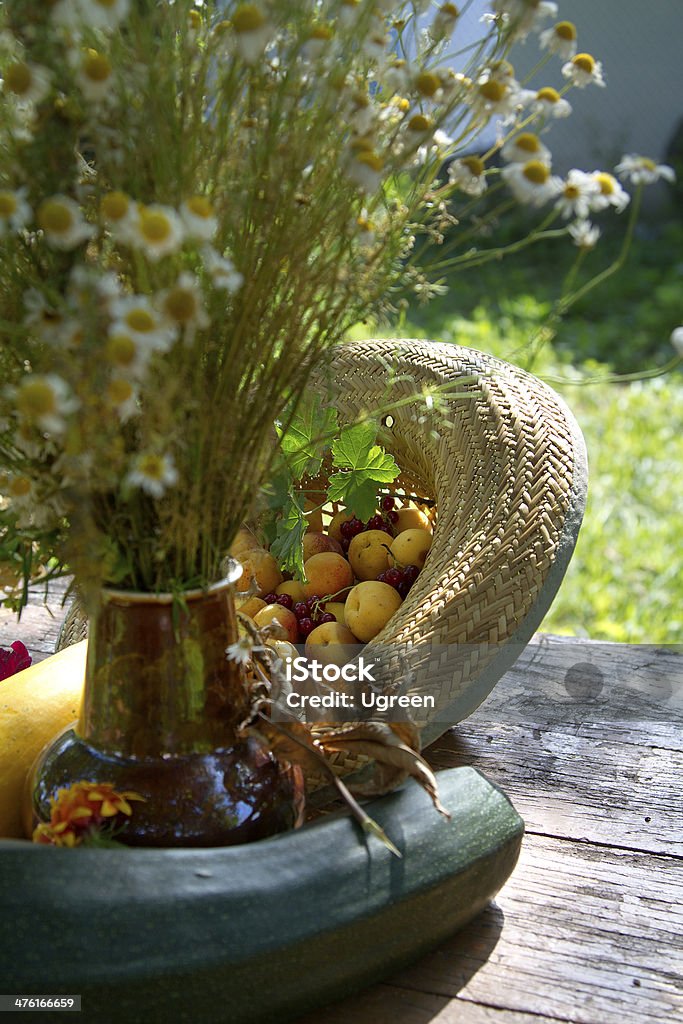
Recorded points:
(376,523)
(358,526)
(393,515)
(382,578)
(301,610)
(347,529)
(346,543)
(271,598)
(306,626)
(327,617)
(393,577)
(286,600)
(388,503)
(410,573)
(312,602)
(403,588)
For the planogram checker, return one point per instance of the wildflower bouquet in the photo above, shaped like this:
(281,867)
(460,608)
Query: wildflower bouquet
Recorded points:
(197,200)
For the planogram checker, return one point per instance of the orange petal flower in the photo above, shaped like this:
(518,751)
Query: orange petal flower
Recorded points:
(82,808)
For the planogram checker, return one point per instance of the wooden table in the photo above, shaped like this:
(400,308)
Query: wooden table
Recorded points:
(586,739)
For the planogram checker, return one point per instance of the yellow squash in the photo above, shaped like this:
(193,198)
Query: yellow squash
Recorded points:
(34,706)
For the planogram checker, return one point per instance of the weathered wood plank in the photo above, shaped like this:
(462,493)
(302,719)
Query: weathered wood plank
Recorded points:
(580,933)
(40,621)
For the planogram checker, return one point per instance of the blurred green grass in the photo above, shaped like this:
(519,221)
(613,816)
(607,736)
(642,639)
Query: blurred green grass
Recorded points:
(625,581)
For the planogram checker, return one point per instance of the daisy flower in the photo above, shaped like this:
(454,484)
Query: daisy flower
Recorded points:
(444,22)
(395,77)
(122,397)
(152,473)
(584,234)
(524,147)
(578,191)
(532,182)
(44,319)
(365,170)
(125,354)
(560,39)
(547,101)
(62,220)
(241,651)
(316,44)
(103,14)
(158,232)
(122,216)
(222,271)
(15,212)
(199,219)
(497,94)
(95,76)
(135,315)
(640,170)
(468,174)
(28,83)
(583,70)
(609,193)
(44,401)
(252,31)
(183,303)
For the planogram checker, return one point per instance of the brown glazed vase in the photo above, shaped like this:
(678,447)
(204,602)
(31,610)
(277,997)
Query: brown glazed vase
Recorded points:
(161,710)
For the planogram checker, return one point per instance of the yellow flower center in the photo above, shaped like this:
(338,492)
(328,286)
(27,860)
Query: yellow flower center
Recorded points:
(420,123)
(181,304)
(492,90)
(54,217)
(606,183)
(195,20)
(36,398)
(566,30)
(8,204)
(119,391)
(536,172)
(18,78)
(321,32)
(474,165)
(154,226)
(152,466)
(200,207)
(20,487)
(584,62)
(370,159)
(96,66)
(548,94)
(140,320)
(648,164)
(502,67)
(571,192)
(115,205)
(450,11)
(120,350)
(248,18)
(528,142)
(427,83)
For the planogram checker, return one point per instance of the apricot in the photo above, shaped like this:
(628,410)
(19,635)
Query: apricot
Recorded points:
(336,608)
(331,643)
(315,543)
(293,588)
(335,524)
(244,541)
(327,573)
(411,518)
(369,607)
(369,553)
(411,547)
(259,564)
(280,615)
(250,606)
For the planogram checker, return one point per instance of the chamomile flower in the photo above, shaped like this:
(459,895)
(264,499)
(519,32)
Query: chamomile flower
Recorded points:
(44,401)
(136,316)
(158,232)
(578,191)
(45,320)
(609,193)
(583,70)
(640,170)
(532,182)
(524,147)
(152,473)
(183,303)
(427,85)
(103,14)
(28,83)
(15,212)
(222,271)
(349,11)
(199,219)
(497,92)
(95,76)
(63,223)
(241,651)
(468,175)
(122,397)
(121,215)
(584,234)
(365,169)
(319,38)
(560,39)
(526,15)
(88,284)
(548,102)
(444,22)
(252,31)
(127,355)
(375,45)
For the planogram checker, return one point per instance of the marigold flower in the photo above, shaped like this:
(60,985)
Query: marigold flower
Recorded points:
(81,809)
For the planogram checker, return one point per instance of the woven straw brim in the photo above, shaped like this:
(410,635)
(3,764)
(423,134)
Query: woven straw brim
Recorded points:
(505,464)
